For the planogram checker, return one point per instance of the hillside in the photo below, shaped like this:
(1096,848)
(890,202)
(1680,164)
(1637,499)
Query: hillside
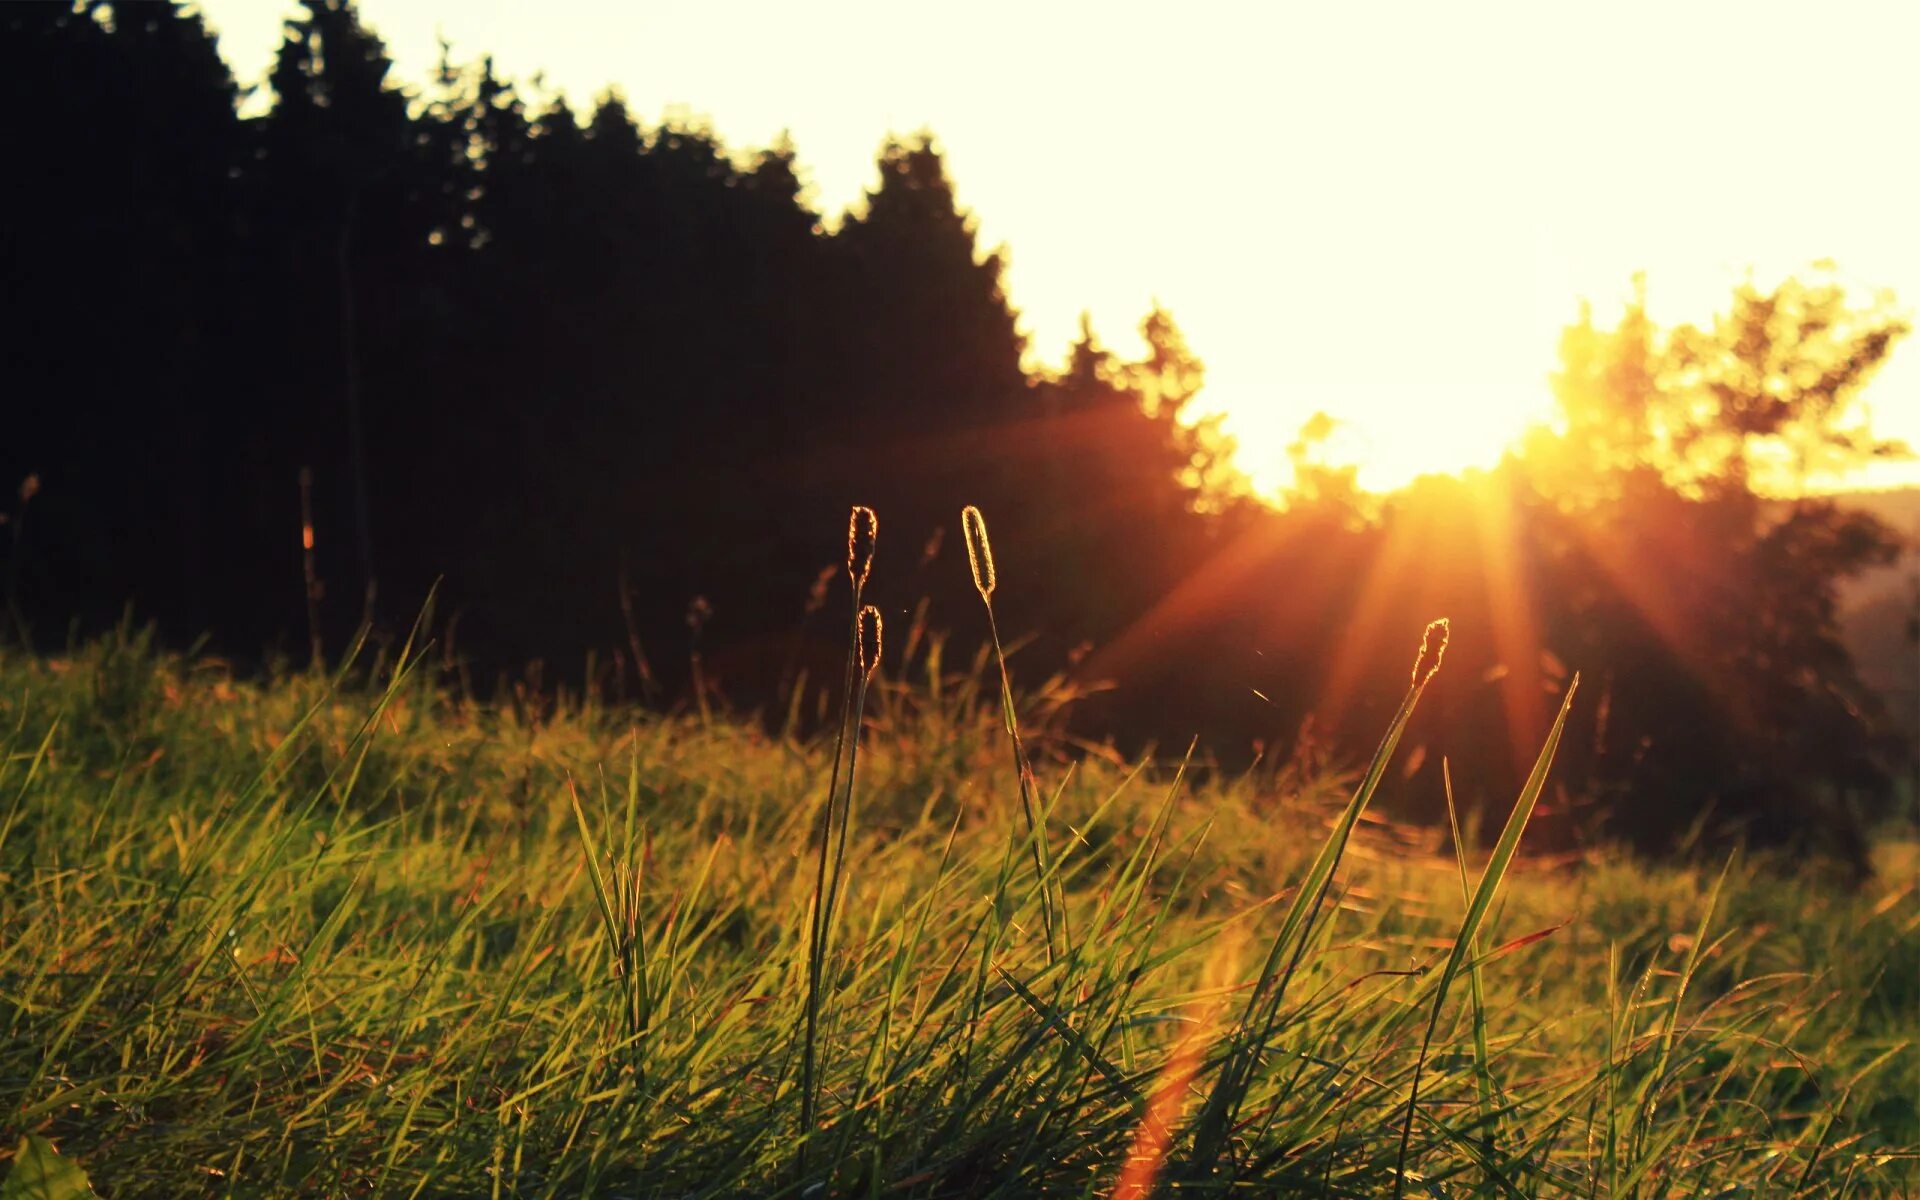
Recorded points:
(293,939)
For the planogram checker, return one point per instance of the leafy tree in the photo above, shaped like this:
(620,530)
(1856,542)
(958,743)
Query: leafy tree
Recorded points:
(1114,483)
(1765,398)
(1713,604)
(1319,482)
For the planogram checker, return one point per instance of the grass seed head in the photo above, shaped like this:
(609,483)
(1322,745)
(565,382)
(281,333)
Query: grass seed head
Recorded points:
(979,549)
(863,533)
(870,648)
(1423,668)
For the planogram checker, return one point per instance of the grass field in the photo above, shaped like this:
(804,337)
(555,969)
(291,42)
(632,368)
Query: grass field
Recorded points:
(357,937)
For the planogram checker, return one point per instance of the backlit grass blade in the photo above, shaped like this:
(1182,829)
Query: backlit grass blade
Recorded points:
(1490,879)
(1482,1070)
(980,560)
(1242,1057)
(1081,1046)
(863,537)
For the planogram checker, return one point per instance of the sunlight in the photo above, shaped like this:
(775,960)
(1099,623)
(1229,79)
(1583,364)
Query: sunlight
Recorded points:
(1516,627)
(1396,569)
(1393,438)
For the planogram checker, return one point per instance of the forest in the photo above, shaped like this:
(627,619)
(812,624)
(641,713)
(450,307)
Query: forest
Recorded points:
(607,389)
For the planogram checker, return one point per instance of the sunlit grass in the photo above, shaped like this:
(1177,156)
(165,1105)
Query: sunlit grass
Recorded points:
(296,938)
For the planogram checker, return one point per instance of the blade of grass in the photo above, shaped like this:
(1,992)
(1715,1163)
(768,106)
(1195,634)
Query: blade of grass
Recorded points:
(1244,1045)
(1490,879)
(1482,1071)
(863,534)
(980,560)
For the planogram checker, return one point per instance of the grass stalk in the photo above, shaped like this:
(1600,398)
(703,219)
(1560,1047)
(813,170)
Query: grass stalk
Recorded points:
(1247,1043)
(1482,1064)
(1052,901)
(1490,879)
(863,533)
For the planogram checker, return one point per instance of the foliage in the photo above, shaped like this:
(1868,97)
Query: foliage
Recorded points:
(1667,556)
(1765,398)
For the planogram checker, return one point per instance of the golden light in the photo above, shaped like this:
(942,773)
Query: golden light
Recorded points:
(1391,443)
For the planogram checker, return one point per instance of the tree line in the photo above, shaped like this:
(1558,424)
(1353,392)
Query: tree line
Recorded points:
(614,386)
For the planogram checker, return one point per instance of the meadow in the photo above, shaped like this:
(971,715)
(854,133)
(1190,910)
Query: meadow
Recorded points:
(360,934)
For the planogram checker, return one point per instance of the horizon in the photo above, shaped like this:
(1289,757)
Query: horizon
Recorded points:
(1545,204)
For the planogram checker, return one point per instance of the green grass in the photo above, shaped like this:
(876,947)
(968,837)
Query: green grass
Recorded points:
(308,938)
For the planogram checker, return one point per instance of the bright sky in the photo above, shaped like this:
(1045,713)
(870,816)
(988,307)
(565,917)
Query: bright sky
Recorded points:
(1383,211)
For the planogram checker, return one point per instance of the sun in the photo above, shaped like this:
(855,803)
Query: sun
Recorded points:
(1392,439)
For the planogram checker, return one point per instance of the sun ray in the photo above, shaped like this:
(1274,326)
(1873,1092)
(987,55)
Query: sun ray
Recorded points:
(1516,624)
(1392,568)
(1645,578)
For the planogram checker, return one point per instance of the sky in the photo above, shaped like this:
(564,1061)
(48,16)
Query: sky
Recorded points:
(1383,211)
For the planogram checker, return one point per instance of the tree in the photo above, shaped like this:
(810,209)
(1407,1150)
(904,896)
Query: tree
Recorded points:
(924,312)
(348,192)
(1320,483)
(120,295)
(1713,603)
(1763,399)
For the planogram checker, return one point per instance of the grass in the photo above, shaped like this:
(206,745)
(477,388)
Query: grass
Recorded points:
(361,936)
(863,658)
